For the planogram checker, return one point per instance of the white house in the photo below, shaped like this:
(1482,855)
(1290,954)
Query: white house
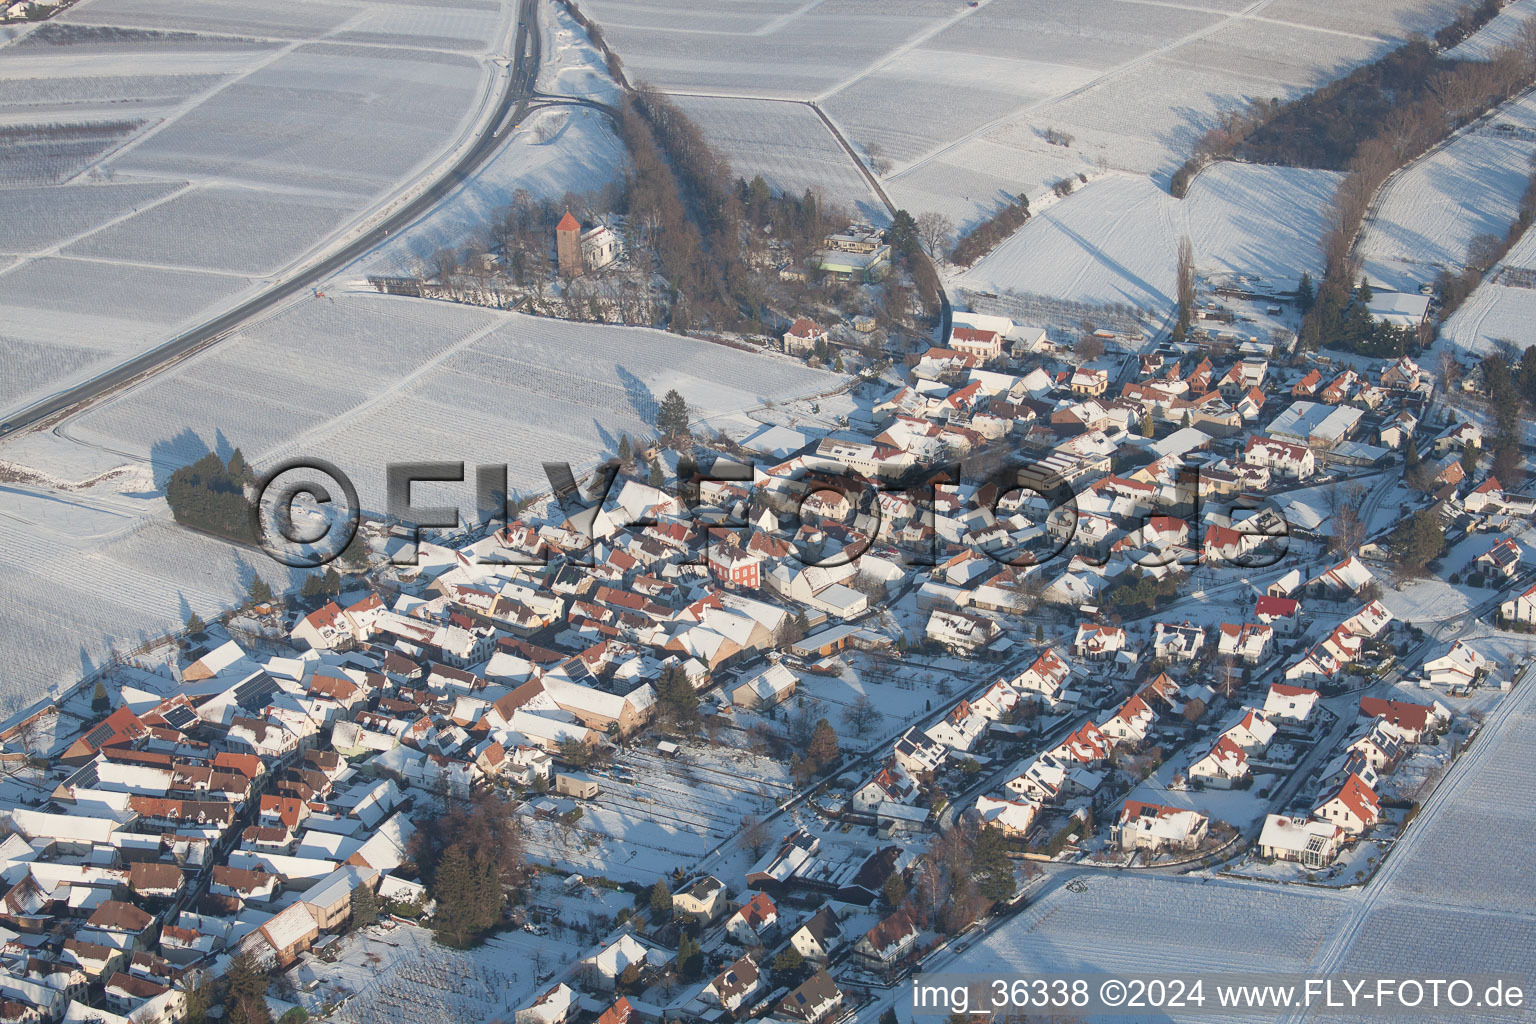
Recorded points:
(1308,841)
(1143,826)
(1131,723)
(1098,643)
(1014,817)
(1292,705)
(1176,642)
(1281,458)
(1521,608)
(961,728)
(1252,734)
(918,754)
(1246,642)
(1353,806)
(1459,665)
(1223,767)
(960,630)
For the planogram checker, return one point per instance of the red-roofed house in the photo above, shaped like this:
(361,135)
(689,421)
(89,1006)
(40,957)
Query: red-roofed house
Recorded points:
(1353,806)
(985,345)
(755,922)
(1410,719)
(803,336)
(1282,613)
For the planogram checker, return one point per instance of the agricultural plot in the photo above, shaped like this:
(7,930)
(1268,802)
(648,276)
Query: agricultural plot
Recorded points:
(683,810)
(1428,215)
(1125,923)
(193,230)
(468,27)
(222,17)
(1507,28)
(111,309)
(1493,314)
(1262,223)
(36,218)
(1115,244)
(418,379)
(341,118)
(1116,240)
(960,99)
(789,146)
(287,129)
(37,98)
(893,106)
(111,581)
(783,50)
(385,976)
(45,154)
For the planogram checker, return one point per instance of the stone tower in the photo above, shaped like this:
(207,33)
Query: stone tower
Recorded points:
(568,245)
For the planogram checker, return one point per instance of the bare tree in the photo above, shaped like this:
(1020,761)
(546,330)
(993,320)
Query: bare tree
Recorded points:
(1483,252)
(755,835)
(861,715)
(934,231)
(878,161)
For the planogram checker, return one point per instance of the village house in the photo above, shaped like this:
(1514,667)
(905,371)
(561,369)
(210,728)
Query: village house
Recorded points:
(803,336)
(1353,806)
(1310,842)
(1288,705)
(1176,642)
(703,901)
(1502,559)
(1520,608)
(815,1001)
(1223,767)
(732,987)
(755,922)
(1412,720)
(888,942)
(1014,818)
(819,936)
(1144,826)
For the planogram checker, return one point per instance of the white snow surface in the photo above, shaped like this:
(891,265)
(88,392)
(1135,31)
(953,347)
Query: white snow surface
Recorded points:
(1427,215)
(248,137)
(1116,239)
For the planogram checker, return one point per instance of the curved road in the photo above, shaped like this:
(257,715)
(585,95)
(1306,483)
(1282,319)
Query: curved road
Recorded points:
(519,90)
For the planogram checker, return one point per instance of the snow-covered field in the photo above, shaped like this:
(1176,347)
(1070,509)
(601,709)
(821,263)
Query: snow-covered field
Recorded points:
(383,976)
(960,97)
(222,150)
(365,379)
(682,810)
(1504,30)
(788,145)
(1116,239)
(1500,309)
(1427,215)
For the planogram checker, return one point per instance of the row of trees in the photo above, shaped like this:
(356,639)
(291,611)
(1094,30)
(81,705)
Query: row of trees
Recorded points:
(985,236)
(704,223)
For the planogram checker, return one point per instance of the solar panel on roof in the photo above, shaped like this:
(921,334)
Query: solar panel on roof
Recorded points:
(180,717)
(99,735)
(253,693)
